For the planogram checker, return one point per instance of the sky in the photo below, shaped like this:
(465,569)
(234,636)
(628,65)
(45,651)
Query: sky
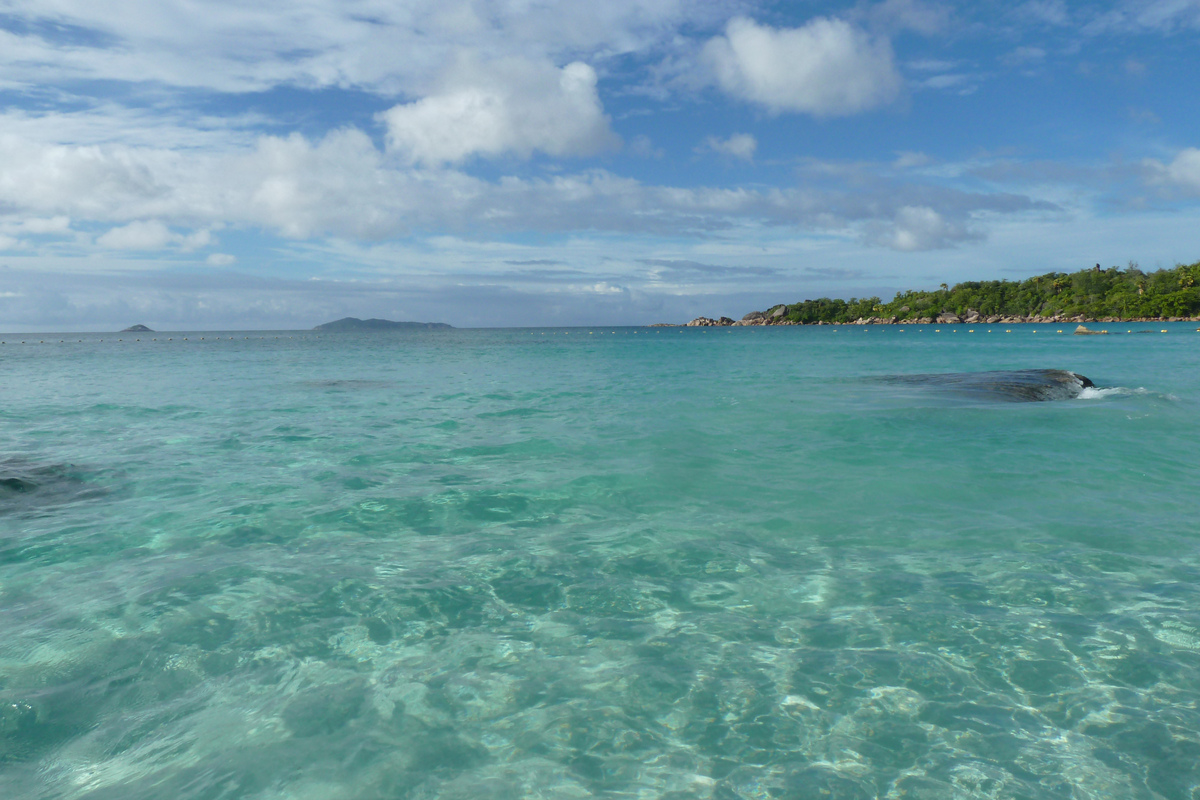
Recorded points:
(204,164)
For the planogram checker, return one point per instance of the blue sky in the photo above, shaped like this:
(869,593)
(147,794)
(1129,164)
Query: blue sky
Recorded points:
(195,165)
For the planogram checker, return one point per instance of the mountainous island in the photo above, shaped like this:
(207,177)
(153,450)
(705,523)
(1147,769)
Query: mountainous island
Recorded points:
(1089,295)
(355,324)
(137,329)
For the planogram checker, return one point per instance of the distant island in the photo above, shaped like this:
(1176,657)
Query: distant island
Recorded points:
(355,324)
(1089,295)
(137,329)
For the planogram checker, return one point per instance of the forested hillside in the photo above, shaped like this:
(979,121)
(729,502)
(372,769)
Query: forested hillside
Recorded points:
(1099,294)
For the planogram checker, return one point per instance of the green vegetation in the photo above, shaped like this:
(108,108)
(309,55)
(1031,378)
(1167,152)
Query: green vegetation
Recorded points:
(1111,293)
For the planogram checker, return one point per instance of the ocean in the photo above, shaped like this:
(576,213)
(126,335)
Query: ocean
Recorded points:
(601,562)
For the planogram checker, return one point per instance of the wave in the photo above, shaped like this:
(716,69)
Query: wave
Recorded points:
(1098,393)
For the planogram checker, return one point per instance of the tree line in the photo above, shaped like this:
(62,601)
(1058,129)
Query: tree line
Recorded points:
(1094,293)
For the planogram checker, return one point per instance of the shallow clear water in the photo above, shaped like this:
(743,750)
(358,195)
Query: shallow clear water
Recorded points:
(600,562)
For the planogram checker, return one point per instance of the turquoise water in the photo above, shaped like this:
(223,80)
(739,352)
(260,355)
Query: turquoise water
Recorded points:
(643,563)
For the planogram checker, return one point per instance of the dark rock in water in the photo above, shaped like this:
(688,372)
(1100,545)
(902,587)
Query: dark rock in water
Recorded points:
(355,324)
(14,484)
(137,329)
(1022,385)
(335,383)
(28,486)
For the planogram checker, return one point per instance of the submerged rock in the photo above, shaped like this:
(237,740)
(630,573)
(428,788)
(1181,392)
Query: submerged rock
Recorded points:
(28,486)
(1022,385)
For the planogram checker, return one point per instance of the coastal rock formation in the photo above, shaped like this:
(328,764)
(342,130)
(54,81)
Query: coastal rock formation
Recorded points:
(705,322)
(756,318)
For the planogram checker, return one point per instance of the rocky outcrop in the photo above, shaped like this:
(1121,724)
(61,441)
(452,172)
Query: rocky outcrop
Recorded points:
(777,315)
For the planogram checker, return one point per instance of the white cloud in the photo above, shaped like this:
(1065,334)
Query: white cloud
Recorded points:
(512,106)
(221,260)
(39,225)
(739,145)
(138,235)
(343,186)
(8,242)
(1183,171)
(825,68)
(919,228)
(378,46)
(151,235)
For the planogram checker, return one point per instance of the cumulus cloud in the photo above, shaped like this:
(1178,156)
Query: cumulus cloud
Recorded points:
(343,186)
(739,145)
(220,260)
(512,106)
(138,235)
(825,68)
(151,235)
(1182,173)
(919,228)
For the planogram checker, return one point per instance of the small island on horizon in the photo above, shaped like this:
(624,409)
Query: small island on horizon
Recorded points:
(355,324)
(137,329)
